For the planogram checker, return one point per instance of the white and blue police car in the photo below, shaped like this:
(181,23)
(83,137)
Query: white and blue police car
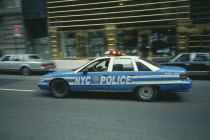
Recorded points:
(118,74)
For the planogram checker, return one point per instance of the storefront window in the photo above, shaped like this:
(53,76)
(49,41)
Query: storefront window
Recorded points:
(97,43)
(163,42)
(10,3)
(68,46)
(144,43)
(127,41)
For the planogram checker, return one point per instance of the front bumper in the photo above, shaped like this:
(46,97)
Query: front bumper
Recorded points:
(43,85)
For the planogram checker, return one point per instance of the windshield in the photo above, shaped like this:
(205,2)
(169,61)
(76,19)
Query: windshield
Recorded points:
(151,62)
(79,67)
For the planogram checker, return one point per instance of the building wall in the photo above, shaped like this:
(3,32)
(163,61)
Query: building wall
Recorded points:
(152,28)
(199,35)
(86,14)
(84,29)
(10,15)
(30,15)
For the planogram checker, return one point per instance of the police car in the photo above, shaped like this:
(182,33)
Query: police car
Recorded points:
(118,73)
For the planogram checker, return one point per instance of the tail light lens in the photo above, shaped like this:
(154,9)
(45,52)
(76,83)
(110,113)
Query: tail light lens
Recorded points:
(184,76)
(46,65)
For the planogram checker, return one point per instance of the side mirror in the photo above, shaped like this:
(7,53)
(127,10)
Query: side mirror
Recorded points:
(85,71)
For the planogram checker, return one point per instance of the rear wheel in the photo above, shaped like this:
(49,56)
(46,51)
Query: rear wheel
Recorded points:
(60,88)
(25,71)
(146,93)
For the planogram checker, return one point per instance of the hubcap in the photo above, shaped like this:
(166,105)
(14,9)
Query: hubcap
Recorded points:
(146,92)
(25,71)
(60,88)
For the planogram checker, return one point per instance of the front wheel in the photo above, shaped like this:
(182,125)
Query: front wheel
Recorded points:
(60,88)
(146,93)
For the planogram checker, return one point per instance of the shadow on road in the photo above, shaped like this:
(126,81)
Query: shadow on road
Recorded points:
(200,77)
(4,82)
(169,97)
(164,97)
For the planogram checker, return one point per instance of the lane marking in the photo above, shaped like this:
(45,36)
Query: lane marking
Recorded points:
(17,90)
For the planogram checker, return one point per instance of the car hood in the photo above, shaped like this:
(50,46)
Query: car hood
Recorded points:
(58,73)
(172,69)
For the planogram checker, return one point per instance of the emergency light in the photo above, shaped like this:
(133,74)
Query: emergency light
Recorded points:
(114,53)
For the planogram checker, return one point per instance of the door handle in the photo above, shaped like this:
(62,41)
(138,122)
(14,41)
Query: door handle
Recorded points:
(132,74)
(105,74)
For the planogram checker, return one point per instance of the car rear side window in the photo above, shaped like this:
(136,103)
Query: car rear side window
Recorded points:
(201,57)
(123,64)
(141,67)
(16,58)
(34,57)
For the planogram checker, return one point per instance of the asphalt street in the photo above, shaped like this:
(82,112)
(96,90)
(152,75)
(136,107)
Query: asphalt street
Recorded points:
(28,113)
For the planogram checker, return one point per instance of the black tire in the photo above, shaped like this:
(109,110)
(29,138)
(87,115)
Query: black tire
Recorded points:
(25,71)
(60,88)
(146,93)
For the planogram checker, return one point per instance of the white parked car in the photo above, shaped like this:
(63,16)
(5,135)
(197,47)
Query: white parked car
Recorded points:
(26,63)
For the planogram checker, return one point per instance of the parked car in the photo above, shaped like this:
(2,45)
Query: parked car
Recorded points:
(26,63)
(197,64)
(118,74)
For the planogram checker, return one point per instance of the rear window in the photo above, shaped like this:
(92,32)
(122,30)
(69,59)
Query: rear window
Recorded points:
(141,67)
(34,57)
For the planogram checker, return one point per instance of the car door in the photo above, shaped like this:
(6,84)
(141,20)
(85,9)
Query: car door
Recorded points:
(119,79)
(15,62)
(89,77)
(5,63)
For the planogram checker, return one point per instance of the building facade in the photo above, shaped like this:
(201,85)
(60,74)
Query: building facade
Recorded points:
(156,29)
(11,19)
(23,27)
(199,30)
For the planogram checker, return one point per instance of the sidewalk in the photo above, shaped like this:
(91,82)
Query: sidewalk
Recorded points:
(69,64)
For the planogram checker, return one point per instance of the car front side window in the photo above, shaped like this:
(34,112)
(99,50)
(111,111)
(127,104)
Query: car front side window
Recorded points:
(183,58)
(98,66)
(6,58)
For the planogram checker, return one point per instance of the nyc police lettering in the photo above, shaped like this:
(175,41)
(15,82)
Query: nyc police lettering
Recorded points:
(103,80)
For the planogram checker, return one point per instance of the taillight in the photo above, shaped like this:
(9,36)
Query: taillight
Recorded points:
(46,65)
(184,76)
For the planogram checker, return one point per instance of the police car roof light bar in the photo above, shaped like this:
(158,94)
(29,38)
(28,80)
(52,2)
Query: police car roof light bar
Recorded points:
(114,53)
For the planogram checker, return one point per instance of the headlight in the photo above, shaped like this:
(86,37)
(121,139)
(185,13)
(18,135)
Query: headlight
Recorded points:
(42,80)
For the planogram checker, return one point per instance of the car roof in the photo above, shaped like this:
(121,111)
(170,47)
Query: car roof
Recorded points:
(195,53)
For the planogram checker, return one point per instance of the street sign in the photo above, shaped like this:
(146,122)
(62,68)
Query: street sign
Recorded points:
(16,30)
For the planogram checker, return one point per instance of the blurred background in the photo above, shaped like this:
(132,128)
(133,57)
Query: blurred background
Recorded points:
(84,29)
